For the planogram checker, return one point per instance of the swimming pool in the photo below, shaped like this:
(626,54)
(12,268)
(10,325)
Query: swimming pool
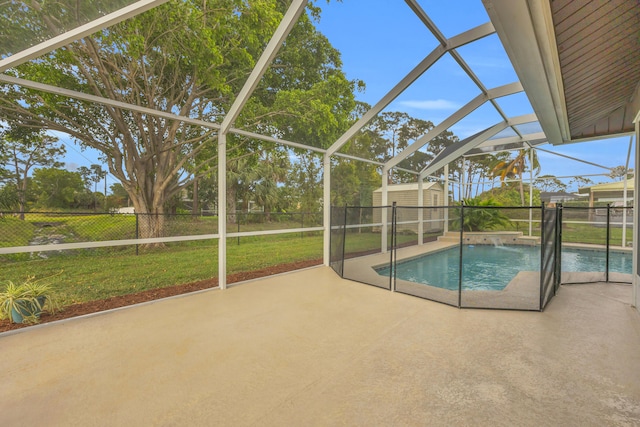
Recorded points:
(488,267)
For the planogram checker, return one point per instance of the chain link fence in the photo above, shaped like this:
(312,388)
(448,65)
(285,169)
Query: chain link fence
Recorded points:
(94,256)
(52,228)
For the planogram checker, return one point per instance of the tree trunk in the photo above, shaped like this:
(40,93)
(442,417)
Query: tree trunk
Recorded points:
(105,193)
(21,204)
(521,192)
(152,225)
(151,217)
(21,186)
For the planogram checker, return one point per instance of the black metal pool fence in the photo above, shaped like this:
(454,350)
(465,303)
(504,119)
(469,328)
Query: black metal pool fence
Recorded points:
(480,256)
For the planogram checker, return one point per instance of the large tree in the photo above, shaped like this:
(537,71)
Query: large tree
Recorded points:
(93,175)
(398,130)
(191,58)
(618,173)
(57,188)
(22,149)
(550,183)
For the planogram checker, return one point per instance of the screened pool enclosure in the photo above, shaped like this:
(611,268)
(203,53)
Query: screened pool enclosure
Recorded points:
(544,43)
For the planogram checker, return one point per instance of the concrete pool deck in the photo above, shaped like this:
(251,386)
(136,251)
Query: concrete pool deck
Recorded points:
(309,348)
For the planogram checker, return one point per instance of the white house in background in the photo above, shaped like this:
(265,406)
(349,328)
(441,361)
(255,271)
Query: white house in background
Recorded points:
(127,210)
(612,192)
(407,195)
(553,197)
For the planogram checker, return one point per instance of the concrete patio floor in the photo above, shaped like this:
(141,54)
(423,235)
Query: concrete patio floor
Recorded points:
(310,349)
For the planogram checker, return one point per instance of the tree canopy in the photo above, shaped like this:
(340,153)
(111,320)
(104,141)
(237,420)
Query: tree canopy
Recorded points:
(190,58)
(22,149)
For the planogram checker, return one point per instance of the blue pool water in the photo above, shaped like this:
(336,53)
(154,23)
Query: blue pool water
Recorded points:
(488,267)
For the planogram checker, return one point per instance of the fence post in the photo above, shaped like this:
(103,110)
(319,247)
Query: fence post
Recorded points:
(392,270)
(137,231)
(344,239)
(460,260)
(606,268)
(543,242)
(558,248)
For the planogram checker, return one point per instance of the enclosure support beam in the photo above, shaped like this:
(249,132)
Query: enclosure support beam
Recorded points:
(636,220)
(467,109)
(326,208)
(222,211)
(463,178)
(78,33)
(574,158)
(531,153)
(446,197)
(445,46)
(384,203)
(286,25)
(155,113)
(420,210)
(624,195)
(413,75)
(456,150)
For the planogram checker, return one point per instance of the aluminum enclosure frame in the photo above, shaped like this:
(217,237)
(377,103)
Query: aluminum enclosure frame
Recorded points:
(479,143)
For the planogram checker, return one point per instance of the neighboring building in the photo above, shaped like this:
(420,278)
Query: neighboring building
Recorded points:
(407,195)
(553,197)
(612,192)
(128,210)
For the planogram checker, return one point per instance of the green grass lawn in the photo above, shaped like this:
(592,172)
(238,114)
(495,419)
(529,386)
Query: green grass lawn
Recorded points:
(93,274)
(97,274)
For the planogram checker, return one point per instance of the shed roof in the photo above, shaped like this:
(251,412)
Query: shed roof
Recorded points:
(413,186)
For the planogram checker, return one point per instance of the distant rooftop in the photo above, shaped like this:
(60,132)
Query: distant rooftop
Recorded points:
(611,186)
(409,187)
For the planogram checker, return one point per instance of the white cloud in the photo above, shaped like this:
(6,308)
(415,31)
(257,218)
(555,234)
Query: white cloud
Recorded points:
(431,104)
(72,166)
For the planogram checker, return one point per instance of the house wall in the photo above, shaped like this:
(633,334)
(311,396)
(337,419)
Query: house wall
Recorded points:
(616,195)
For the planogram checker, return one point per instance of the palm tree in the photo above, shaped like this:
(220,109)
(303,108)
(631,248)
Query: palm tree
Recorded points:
(511,168)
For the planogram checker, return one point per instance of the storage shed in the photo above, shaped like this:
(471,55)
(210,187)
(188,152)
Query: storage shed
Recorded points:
(407,195)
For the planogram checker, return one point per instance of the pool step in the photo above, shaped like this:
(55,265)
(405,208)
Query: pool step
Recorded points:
(449,236)
(488,238)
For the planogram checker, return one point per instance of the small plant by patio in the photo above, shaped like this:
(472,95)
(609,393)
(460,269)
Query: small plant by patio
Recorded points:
(24,302)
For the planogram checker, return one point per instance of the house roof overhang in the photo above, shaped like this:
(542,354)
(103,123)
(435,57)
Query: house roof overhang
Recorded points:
(578,61)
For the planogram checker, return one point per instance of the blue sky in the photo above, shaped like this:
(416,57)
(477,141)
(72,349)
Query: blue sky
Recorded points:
(382,40)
